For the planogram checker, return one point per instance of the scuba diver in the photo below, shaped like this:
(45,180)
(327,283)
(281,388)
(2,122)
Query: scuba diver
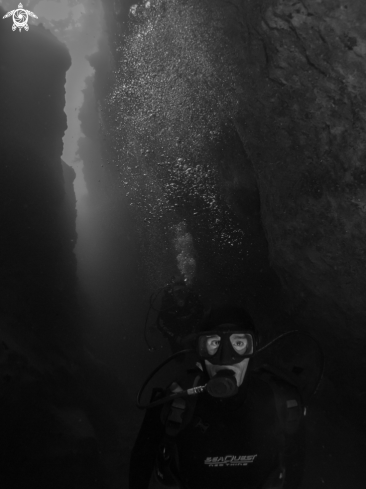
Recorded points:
(225,424)
(180,314)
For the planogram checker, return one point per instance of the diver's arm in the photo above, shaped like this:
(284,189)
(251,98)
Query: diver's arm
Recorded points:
(143,453)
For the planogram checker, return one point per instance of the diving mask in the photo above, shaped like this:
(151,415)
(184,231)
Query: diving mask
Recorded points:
(226,345)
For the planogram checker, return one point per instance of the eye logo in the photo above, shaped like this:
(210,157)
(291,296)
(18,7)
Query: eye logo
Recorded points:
(20,18)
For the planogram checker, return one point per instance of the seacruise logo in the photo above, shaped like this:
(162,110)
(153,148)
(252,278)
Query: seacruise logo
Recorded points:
(20,18)
(230,460)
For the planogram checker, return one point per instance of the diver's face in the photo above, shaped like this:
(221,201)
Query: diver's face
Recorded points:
(238,368)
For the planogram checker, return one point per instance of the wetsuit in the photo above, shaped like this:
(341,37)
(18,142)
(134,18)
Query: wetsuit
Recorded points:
(234,443)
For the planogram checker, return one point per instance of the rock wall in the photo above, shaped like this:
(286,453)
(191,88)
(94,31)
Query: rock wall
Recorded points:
(302,124)
(37,202)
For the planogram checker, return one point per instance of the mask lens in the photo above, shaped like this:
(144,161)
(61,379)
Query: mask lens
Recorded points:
(208,345)
(212,344)
(241,343)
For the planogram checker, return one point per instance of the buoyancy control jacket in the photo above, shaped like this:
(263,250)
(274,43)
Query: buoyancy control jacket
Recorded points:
(253,440)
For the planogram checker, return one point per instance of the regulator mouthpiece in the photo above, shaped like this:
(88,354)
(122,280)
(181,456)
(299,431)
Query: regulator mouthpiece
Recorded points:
(223,384)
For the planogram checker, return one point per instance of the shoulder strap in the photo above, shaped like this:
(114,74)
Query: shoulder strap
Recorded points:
(289,406)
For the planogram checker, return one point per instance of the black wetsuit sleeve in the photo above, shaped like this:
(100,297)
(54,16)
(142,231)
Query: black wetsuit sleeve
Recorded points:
(144,451)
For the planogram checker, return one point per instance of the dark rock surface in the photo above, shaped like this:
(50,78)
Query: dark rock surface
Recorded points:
(38,265)
(306,143)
